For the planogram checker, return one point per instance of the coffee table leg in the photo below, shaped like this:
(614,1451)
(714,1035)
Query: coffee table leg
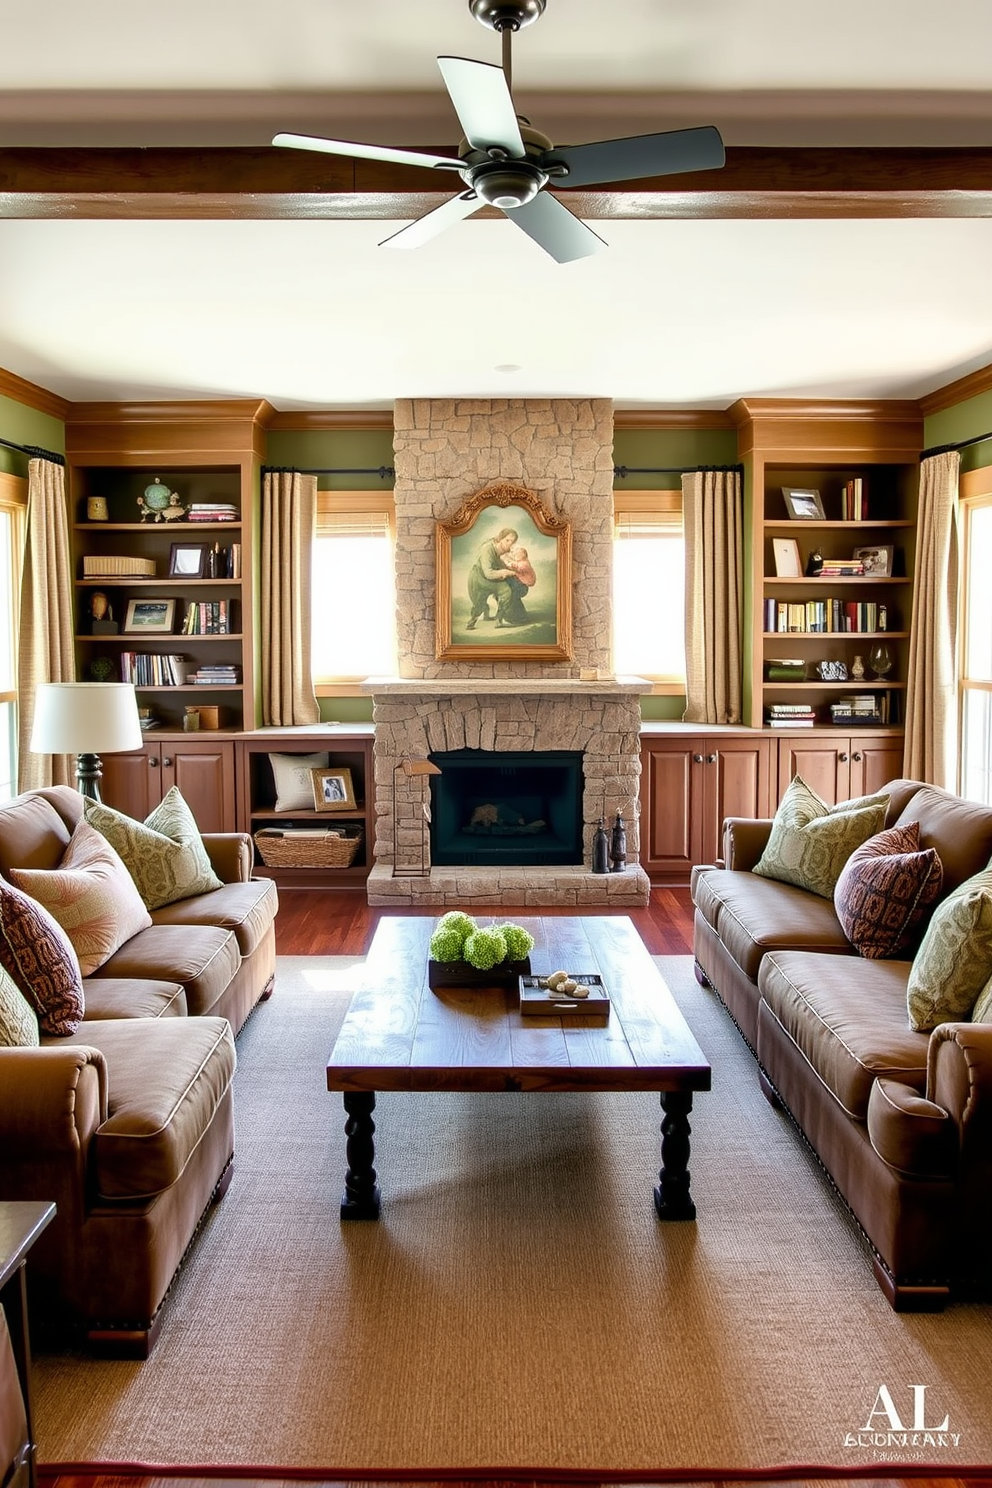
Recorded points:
(361,1193)
(671,1197)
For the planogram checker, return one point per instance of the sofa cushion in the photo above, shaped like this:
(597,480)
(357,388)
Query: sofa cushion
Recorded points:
(91,894)
(885,889)
(951,967)
(850,1029)
(246,908)
(166,1079)
(960,830)
(204,958)
(38,954)
(293,781)
(753,915)
(810,842)
(127,997)
(18,1019)
(165,854)
(32,834)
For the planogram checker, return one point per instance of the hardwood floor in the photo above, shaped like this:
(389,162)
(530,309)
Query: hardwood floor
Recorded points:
(329,922)
(315,922)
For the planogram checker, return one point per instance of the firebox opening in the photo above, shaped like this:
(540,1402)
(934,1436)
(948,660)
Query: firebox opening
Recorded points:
(511,809)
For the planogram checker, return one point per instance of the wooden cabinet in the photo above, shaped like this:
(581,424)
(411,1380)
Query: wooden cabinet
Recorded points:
(203,769)
(348,747)
(839,767)
(811,619)
(689,784)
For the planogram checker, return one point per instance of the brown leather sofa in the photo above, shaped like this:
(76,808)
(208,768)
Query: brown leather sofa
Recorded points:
(900,1120)
(127,1124)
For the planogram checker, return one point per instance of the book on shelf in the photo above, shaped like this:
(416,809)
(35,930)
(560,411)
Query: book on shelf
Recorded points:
(216,676)
(149,669)
(207,617)
(837,568)
(854,500)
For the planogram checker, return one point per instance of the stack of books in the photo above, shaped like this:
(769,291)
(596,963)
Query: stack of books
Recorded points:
(841,568)
(207,617)
(217,675)
(858,707)
(785,669)
(790,715)
(212,511)
(854,501)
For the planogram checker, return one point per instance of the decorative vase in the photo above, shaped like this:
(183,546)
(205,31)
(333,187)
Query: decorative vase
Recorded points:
(600,849)
(857,669)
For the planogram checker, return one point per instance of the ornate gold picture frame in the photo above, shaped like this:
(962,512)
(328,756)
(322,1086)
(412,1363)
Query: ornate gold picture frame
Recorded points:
(504,579)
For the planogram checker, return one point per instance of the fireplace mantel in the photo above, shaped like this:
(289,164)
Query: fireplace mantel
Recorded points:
(506,686)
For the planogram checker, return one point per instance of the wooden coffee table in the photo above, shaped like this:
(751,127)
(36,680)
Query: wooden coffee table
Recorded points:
(399,1035)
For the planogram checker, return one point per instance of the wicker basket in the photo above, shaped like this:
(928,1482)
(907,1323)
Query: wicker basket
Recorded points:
(103,565)
(319,850)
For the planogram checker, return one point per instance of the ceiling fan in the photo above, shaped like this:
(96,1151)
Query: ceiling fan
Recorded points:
(506,163)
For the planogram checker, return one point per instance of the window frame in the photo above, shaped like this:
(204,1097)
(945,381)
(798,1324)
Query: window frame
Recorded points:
(974,493)
(337,503)
(665,506)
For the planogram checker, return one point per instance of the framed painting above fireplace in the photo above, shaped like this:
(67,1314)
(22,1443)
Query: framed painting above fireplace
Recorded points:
(504,579)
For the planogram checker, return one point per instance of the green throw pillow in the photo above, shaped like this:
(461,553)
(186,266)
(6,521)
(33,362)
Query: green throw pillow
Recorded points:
(982,1011)
(164,855)
(810,842)
(952,965)
(18,1020)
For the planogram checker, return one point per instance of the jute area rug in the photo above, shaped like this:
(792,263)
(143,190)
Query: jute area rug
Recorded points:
(518,1306)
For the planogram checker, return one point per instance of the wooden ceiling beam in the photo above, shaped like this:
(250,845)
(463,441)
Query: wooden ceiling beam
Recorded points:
(219,183)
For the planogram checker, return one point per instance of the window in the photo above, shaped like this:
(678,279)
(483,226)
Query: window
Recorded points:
(649,587)
(976,640)
(13,498)
(354,590)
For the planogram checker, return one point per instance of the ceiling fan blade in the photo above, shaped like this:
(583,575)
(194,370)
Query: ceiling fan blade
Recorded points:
(642,155)
(555,229)
(483,104)
(434,222)
(366,152)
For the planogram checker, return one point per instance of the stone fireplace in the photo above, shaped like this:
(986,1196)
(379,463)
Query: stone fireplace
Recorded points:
(562,451)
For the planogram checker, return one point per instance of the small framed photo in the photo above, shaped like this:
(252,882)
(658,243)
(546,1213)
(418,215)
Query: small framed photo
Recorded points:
(189,560)
(150,616)
(877,561)
(805,506)
(333,790)
(788,564)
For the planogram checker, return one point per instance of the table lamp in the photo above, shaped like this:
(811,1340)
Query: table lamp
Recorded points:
(420,869)
(86,719)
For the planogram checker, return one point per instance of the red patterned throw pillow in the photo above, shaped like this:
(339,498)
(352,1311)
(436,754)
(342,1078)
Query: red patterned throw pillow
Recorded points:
(38,955)
(885,889)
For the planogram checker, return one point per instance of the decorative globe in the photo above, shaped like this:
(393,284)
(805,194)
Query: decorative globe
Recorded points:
(157,495)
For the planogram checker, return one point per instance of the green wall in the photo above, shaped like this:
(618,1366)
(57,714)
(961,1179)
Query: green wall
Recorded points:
(27,426)
(963,421)
(351,448)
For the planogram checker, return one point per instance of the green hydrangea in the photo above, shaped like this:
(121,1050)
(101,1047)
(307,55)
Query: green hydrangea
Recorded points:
(485,948)
(519,942)
(446,943)
(457,919)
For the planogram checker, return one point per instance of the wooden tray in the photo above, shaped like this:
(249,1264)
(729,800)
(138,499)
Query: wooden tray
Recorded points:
(539,1002)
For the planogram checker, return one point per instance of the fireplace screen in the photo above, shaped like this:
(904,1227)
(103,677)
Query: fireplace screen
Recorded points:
(510,809)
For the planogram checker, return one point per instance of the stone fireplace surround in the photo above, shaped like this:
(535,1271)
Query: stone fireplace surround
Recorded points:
(445,451)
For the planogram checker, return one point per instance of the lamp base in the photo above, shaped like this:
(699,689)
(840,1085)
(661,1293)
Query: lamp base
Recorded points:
(89,772)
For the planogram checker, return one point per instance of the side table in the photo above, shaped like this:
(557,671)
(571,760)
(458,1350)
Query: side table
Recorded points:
(21,1222)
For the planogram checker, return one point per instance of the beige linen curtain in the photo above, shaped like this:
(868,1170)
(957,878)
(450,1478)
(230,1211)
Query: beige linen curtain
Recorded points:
(289,503)
(931,684)
(44,652)
(712,507)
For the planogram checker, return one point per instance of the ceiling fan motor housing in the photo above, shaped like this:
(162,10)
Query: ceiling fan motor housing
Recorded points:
(507,183)
(506,16)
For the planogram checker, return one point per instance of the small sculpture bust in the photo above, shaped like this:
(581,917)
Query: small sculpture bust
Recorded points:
(100,607)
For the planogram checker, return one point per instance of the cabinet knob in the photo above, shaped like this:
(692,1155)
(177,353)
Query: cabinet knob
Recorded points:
(152,763)
(856,758)
(166,760)
(711,759)
(842,758)
(697,759)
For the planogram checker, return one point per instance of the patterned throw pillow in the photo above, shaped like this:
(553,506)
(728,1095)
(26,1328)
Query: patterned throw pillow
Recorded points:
(293,781)
(951,967)
(164,855)
(982,1011)
(810,842)
(885,889)
(38,955)
(18,1021)
(92,896)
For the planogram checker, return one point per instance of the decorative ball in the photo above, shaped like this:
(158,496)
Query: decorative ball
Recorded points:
(484,949)
(101,669)
(519,942)
(446,944)
(458,920)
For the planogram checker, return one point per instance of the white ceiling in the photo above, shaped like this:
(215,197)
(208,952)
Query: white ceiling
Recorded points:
(311,314)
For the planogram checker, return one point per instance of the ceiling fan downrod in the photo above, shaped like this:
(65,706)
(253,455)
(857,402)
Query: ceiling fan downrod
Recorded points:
(506,17)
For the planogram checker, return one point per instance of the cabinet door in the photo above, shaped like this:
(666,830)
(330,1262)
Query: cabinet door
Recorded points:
(132,783)
(874,762)
(738,783)
(669,819)
(823,762)
(204,772)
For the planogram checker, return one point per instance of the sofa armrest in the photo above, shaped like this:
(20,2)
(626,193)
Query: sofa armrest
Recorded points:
(744,840)
(913,1135)
(52,1101)
(231,854)
(959,1078)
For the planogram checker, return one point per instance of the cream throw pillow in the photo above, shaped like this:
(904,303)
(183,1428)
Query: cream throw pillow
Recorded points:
(982,1011)
(164,855)
(92,896)
(952,965)
(293,781)
(810,842)
(18,1020)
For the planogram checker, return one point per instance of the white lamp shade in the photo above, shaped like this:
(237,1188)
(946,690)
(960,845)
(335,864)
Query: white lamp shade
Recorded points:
(85,718)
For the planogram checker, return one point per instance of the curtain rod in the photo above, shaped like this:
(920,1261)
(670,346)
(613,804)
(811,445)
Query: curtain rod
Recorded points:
(34,451)
(622,471)
(945,449)
(382,471)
